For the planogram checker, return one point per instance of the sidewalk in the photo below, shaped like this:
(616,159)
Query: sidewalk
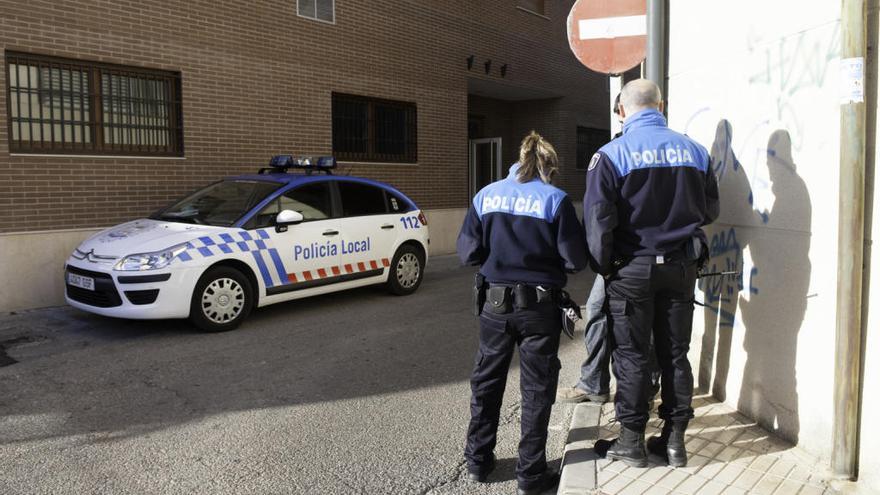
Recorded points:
(728,454)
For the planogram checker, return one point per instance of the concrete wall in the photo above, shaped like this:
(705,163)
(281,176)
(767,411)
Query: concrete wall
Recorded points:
(758,86)
(444,225)
(32,272)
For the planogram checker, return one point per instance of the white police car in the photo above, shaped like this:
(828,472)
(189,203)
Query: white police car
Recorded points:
(251,241)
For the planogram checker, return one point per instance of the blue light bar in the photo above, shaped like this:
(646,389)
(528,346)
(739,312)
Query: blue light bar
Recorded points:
(282,161)
(326,162)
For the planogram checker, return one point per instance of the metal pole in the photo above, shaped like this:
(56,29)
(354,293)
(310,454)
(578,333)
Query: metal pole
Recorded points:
(851,231)
(655,62)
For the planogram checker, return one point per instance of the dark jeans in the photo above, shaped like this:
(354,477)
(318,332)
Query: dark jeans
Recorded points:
(642,296)
(536,332)
(595,370)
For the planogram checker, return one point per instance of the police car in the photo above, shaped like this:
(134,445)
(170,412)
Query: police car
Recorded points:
(292,230)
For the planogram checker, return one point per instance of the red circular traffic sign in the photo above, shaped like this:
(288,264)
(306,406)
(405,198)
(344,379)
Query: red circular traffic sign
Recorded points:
(608,36)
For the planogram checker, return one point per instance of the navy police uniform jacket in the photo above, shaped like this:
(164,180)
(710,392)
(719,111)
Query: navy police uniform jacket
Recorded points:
(523,232)
(648,193)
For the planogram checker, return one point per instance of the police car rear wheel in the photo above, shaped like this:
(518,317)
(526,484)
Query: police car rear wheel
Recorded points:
(221,300)
(406,271)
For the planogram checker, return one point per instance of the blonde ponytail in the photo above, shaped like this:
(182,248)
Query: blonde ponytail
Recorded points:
(537,158)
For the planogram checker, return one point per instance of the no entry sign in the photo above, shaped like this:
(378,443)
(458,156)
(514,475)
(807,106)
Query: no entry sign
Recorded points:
(608,36)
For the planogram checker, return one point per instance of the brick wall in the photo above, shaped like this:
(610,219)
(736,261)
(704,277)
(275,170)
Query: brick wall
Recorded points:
(257,81)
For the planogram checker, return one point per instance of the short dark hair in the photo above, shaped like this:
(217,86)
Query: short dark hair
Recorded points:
(616,108)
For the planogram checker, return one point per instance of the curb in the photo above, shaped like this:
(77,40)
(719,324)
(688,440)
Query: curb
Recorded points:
(578,460)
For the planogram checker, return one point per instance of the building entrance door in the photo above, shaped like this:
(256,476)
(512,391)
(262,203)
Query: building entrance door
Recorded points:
(485,163)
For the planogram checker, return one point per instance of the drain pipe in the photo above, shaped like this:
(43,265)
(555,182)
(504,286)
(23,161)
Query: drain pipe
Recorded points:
(656,49)
(851,238)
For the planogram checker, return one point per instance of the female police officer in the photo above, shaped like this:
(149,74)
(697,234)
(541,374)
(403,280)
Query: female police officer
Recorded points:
(525,235)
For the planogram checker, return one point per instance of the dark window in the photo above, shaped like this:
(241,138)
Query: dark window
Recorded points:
(64,106)
(313,201)
(589,141)
(536,6)
(321,10)
(361,199)
(221,203)
(372,130)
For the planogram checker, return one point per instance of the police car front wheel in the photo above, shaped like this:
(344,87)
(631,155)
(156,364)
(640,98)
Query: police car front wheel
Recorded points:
(407,271)
(221,300)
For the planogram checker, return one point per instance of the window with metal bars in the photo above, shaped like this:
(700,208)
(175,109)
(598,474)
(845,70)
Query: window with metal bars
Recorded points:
(536,6)
(373,130)
(589,141)
(320,10)
(64,106)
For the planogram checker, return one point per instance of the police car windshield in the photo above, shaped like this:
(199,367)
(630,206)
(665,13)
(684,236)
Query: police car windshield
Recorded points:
(220,204)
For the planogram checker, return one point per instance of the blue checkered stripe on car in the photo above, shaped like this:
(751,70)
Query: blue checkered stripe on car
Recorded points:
(257,243)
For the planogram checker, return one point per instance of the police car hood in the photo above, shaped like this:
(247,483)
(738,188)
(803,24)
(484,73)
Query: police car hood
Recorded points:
(144,236)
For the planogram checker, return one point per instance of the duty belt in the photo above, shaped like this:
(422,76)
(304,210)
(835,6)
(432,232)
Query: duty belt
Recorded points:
(659,259)
(503,298)
(522,296)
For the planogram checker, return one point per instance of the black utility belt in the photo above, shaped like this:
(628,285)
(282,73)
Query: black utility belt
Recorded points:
(503,298)
(660,259)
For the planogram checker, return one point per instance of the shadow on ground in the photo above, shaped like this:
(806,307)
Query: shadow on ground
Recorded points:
(111,379)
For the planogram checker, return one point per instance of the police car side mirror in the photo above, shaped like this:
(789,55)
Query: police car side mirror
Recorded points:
(286,218)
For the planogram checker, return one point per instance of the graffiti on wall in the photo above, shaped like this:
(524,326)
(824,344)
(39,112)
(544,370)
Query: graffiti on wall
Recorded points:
(722,292)
(791,65)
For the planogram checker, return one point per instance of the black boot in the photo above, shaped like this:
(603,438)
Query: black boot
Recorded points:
(670,443)
(548,480)
(629,447)
(480,473)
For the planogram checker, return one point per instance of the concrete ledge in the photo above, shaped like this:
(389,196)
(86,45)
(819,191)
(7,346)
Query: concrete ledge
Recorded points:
(32,271)
(579,461)
(444,225)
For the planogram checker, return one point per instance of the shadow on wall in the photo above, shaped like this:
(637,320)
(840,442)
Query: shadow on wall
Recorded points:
(767,300)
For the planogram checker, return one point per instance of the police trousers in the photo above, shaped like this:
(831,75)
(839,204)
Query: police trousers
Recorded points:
(595,375)
(643,296)
(536,331)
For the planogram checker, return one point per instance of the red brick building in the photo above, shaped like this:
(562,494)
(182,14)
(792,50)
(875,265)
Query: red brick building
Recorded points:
(114,108)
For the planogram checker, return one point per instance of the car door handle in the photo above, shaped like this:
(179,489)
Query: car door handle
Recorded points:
(331,232)
(388,226)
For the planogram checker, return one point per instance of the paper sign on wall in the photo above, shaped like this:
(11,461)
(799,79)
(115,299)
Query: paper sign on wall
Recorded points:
(852,80)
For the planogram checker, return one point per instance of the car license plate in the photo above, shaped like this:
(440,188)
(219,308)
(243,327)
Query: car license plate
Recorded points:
(75,280)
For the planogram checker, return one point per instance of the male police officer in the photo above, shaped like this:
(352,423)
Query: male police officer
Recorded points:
(648,194)
(595,380)
(526,235)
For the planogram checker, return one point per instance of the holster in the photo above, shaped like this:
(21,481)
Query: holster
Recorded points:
(571,313)
(697,250)
(478,297)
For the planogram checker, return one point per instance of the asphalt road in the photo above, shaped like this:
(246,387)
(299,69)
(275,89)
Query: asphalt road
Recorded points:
(356,392)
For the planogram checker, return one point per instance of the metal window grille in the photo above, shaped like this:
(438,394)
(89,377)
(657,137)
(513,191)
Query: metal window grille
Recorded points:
(589,140)
(536,6)
(321,10)
(373,130)
(64,106)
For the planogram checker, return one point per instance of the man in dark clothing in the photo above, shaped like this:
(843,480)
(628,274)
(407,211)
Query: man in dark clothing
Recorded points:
(595,380)
(649,192)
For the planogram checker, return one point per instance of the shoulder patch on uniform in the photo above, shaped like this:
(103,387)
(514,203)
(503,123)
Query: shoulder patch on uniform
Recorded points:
(593,162)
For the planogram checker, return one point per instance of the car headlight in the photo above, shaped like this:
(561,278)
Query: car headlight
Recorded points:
(150,261)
